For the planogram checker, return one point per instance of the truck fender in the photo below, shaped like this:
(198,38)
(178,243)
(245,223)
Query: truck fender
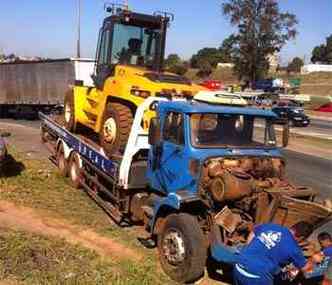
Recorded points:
(171,204)
(66,149)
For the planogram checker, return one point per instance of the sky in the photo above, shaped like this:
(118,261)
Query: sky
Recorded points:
(48,28)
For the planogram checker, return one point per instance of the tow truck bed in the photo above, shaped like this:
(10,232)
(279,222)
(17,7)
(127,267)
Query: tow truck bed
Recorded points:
(94,163)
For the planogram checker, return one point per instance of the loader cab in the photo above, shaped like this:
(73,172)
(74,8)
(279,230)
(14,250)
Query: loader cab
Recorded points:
(128,38)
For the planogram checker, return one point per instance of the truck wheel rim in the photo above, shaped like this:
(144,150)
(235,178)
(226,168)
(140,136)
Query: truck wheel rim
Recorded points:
(110,130)
(174,247)
(67,113)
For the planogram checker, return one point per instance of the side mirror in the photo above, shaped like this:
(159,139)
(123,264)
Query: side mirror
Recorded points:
(154,131)
(285,134)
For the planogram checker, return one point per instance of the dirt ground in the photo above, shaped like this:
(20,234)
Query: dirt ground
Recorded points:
(26,219)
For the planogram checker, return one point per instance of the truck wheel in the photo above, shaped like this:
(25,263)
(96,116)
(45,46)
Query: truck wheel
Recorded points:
(75,171)
(181,248)
(62,162)
(69,111)
(116,126)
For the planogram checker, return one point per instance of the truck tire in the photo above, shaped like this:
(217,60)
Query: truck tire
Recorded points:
(61,161)
(181,248)
(69,111)
(116,126)
(75,171)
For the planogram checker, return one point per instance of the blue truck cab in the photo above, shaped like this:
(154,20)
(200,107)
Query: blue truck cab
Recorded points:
(203,171)
(191,133)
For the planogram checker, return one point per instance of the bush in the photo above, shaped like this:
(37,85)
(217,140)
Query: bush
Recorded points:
(179,69)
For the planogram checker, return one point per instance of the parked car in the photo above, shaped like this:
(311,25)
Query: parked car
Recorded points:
(269,85)
(212,84)
(295,116)
(325,108)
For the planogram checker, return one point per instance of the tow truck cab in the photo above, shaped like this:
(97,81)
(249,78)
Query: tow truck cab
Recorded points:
(218,167)
(185,136)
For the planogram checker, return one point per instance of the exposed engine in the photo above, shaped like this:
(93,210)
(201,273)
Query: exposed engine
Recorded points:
(245,191)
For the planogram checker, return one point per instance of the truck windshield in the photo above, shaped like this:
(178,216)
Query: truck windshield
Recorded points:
(222,130)
(135,45)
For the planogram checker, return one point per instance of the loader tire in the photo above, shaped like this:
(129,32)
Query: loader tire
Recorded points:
(69,111)
(181,248)
(116,126)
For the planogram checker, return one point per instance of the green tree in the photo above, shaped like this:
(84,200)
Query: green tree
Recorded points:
(179,69)
(205,68)
(175,65)
(172,60)
(228,49)
(323,52)
(262,30)
(295,65)
(208,55)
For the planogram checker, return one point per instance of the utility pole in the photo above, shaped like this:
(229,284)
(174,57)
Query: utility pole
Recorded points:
(78,52)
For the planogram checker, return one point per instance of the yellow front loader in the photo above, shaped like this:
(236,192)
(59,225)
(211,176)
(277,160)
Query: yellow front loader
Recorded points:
(129,68)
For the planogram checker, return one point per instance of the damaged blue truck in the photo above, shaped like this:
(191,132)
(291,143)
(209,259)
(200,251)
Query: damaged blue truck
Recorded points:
(200,165)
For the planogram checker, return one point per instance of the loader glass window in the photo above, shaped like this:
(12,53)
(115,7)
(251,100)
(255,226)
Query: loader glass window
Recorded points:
(104,48)
(133,45)
(173,130)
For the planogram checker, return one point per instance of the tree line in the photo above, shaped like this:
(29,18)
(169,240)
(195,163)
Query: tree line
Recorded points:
(262,29)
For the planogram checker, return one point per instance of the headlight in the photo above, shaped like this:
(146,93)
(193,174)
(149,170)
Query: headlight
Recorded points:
(140,93)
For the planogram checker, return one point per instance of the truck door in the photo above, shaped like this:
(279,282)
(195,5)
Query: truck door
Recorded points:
(172,173)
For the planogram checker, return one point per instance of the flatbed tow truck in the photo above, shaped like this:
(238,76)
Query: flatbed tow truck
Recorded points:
(199,166)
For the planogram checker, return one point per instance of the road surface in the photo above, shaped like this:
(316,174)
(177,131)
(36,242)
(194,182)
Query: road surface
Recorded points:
(310,171)
(317,128)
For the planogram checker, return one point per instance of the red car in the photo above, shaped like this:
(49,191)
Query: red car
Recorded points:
(325,108)
(212,85)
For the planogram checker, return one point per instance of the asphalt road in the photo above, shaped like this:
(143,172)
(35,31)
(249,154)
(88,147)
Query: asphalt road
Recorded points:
(317,128)
(310,171)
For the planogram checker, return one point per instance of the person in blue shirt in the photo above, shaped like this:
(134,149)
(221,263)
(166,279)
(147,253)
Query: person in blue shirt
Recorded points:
(324,258)
(269,247)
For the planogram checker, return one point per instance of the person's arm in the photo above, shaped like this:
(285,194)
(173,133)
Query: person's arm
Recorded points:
(308,267)
(250,237)
(224,253)
(300,261)
(219,251)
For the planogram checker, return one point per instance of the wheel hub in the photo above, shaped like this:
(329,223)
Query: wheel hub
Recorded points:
(110,130)
(174,248)
(67,113)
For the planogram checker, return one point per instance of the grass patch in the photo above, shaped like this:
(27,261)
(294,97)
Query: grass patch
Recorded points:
(34,259)
(37,184)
